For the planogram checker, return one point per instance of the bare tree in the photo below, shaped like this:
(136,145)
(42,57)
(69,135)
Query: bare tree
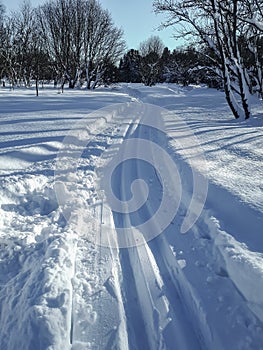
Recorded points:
(215,23)
(25,40)
(103,43)
(7,52)
(81,39)
(2,41)
(56,19)
(150,66)
(153,44)
(252,28)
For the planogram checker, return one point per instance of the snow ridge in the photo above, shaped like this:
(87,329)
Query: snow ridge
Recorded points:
(63,287)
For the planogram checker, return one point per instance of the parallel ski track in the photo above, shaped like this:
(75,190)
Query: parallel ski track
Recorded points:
(188,315)
(158,300)
(157,318)
(180,330)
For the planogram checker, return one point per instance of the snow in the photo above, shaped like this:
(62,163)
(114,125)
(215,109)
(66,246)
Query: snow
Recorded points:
(77,272)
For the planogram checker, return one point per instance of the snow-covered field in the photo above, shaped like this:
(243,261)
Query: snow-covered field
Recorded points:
(75,274)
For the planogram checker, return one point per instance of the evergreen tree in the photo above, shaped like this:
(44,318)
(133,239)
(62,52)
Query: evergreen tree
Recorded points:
(129,68)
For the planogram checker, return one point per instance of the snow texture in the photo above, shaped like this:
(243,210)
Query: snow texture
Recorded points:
(60,290)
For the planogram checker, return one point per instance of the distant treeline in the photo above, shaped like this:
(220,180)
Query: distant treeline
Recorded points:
(75,42)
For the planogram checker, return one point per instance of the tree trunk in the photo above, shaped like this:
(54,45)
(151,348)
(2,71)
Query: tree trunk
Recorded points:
(229,93)
(244,91)
(71,84)
(89,75)
(37,87)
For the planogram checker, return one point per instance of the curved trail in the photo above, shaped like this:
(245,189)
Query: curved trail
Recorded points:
(174,292)
(160,310)
(67,284)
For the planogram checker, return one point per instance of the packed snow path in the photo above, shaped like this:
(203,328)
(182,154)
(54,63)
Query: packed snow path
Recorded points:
(63,287)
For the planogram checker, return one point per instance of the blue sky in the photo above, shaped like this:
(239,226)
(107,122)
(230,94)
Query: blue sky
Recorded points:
(138,21)
(135,17)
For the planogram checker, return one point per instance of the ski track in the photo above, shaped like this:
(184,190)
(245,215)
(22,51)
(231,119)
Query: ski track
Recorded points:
(174,292)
